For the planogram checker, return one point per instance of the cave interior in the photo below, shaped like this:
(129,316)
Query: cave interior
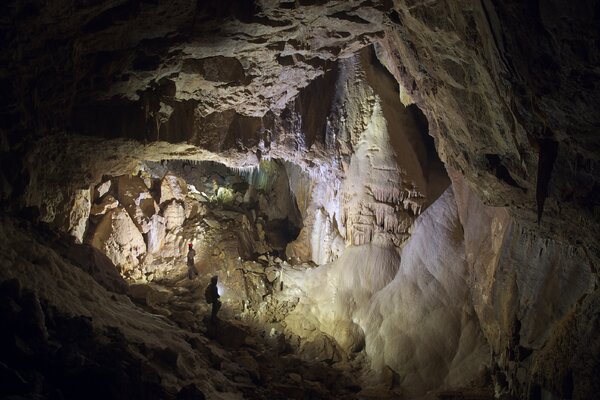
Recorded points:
(400,199)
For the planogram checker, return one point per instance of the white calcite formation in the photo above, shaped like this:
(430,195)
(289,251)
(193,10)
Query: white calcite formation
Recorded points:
(410,306)
(156,233)
(423,324)
(377,180)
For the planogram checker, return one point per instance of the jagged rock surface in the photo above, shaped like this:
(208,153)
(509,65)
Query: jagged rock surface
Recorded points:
(71,336)
(151,71)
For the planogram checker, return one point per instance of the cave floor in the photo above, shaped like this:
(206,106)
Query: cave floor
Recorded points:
(258,365)
(74,330)
(262,365)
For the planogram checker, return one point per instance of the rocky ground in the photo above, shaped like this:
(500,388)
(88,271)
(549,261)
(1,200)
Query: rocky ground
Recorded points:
(259,364)
(101,345)
(79,339)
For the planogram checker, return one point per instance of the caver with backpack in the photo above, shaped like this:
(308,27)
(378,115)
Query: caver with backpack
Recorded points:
(211,294)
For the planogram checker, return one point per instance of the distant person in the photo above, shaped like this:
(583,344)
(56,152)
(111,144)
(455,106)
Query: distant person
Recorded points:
(212,297)
(190,261)
(215,185)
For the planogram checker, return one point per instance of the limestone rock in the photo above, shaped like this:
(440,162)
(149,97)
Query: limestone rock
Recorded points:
(271,273)
(172,187)
(193,208)
(150,294)
(79,214)
(508,91)
(102,189)
(229,333)
(133,194)
(173,214)
(156,233)
(119,238)
(95,263)
(250,365)
(107,203)
(320,348)
(212,223)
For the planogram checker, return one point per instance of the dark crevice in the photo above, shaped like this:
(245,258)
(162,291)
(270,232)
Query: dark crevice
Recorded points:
(123,12)
(349,17)
(243,11)
(500,171)
(423,127)
(547,156)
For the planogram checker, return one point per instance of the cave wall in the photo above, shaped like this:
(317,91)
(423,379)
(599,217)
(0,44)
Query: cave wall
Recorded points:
(71,335)
(528,75)
(509,89)
(471,296)
(373,176)
(524,289)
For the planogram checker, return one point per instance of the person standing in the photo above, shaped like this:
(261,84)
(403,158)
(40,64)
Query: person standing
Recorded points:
(212,297)
(190,261)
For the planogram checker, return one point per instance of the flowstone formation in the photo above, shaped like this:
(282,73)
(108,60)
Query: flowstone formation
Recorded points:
(400,198)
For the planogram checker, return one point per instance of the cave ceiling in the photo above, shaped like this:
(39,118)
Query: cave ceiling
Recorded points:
(510,89)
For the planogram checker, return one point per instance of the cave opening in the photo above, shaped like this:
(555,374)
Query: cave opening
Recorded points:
(363,178)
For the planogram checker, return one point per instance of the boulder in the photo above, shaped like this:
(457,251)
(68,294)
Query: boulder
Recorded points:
(134,195)
(255,287)
(272,274)
(213,223)
(102,189)
(172,188)
(193,208)
(149,294)
(119,238)
(108,203)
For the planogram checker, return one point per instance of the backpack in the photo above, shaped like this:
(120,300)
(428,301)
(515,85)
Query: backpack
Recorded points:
(208,294)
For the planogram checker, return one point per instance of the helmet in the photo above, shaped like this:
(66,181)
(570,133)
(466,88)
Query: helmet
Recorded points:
(190,245)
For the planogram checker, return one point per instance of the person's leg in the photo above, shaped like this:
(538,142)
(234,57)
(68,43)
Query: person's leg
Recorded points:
(216,306)
(213,312)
